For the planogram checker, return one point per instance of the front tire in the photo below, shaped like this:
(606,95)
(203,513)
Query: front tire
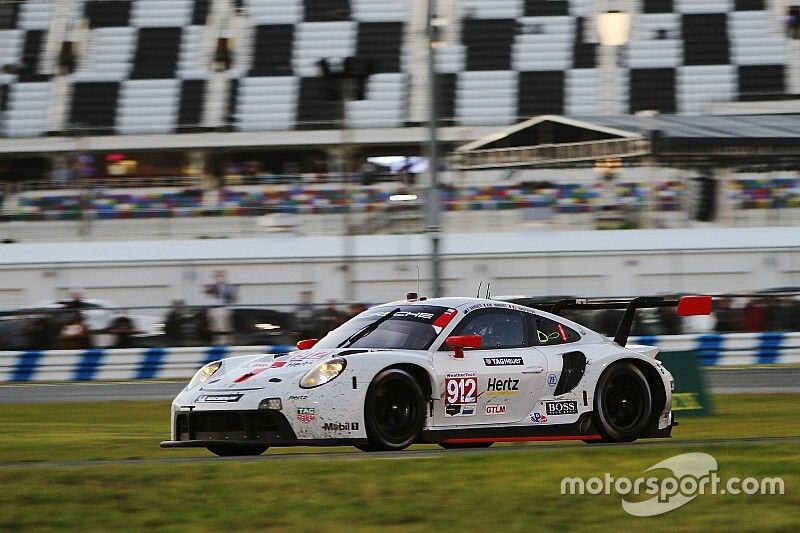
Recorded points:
(233,450)
(394,411)
(623,403)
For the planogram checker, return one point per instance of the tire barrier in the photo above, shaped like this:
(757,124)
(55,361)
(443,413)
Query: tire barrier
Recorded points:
(713,349)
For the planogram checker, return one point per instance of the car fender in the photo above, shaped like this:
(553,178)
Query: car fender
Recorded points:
(596,366)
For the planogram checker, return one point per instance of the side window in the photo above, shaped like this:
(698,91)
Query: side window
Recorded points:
(497,328)
(549,332)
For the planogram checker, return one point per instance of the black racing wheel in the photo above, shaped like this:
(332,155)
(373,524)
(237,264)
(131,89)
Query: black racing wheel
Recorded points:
(231,450)
(623,403)
(394,411)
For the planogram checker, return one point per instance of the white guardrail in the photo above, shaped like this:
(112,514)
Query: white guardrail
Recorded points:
(153,363)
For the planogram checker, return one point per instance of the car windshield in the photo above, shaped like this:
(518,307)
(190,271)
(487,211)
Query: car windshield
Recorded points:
(410,327)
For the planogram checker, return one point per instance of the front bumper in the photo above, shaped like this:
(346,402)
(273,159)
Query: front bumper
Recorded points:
(198,429)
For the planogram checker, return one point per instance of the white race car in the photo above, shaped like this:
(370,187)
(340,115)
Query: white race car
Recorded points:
(460,372)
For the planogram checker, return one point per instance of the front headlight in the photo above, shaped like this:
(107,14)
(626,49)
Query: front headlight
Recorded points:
(323,373)
(204,373)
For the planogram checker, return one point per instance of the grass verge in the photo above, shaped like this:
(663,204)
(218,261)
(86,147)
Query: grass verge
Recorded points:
(516,490)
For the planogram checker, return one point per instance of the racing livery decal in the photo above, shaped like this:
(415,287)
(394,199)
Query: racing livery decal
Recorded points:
(502,361)
(561,408)
(495,409)
(306,415)
(502,387)
(338,426)
(538,418)
(222,398)
(461,393)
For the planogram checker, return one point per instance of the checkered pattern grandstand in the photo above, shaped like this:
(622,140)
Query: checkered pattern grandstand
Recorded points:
(148,66)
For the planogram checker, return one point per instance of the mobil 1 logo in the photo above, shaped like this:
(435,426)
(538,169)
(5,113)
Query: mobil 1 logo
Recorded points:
(565,407)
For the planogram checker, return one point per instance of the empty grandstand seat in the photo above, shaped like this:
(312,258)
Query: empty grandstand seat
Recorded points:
(190,110)
(94,107)
(736,44)
(486,97)
(488,43)
(107,13)
(541,93)
(272,51)
(26,109)
(156,53)
(380,43)
(148,106)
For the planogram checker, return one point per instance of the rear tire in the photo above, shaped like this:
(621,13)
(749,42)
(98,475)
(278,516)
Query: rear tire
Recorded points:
(623,403)
(233,450)
(394,411)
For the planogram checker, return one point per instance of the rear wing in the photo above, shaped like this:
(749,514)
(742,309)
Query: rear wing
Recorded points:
(686,306)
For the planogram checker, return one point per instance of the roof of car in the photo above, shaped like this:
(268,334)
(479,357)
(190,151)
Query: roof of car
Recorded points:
(456,302)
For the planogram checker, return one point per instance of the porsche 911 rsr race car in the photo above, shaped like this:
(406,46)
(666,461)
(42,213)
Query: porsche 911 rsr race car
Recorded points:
(454,371)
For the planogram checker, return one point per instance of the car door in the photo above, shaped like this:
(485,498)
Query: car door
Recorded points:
(495,383)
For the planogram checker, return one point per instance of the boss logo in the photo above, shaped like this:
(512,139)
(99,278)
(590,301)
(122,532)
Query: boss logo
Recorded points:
(503,384)
(561,408)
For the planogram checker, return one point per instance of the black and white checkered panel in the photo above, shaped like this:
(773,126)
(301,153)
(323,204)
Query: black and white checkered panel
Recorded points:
(683,55)
(144,69)
(23,31)
(283,88)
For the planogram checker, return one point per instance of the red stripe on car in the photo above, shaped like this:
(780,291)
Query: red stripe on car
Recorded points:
(523,439)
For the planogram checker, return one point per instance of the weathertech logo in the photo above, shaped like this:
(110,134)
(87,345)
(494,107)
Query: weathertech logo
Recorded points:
(502,361)
(338,426)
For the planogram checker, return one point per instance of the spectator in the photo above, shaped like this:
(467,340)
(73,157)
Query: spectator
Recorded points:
(172,324)
(753,318)
(221,325)
(329,318)
(793,22)
(74,333)
(75,300)
(223,292)
(305,320)
(123,330)
(727,318)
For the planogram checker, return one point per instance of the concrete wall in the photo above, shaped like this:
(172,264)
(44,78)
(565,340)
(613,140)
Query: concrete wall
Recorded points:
(273,270)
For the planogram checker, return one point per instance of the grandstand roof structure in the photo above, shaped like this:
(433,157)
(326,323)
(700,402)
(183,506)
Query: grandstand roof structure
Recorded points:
(669,140)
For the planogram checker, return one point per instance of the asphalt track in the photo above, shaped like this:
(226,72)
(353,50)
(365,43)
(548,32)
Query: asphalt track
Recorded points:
(720,380)
(409,454)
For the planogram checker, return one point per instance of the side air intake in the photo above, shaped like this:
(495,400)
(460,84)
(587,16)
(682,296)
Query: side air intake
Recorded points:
(572,372)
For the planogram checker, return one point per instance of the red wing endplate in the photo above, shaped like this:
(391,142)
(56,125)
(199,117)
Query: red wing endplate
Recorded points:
(694,305)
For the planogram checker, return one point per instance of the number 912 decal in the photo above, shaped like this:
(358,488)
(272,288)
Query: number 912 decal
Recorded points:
(461,394)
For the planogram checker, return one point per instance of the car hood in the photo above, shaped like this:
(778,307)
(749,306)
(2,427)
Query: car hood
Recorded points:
(265,370)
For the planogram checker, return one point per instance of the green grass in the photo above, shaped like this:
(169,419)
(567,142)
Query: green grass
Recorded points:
(515,490)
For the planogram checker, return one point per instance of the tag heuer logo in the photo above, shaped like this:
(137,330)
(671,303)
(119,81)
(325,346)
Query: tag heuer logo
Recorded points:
(306,414)
(502,361)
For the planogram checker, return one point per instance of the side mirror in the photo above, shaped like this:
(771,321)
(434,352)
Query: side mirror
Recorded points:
(306,344)
(459,342)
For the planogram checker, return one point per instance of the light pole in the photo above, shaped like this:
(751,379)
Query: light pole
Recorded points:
(434,208)
(613,29)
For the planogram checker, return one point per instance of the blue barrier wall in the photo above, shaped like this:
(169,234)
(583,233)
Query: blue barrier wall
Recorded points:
(154,363)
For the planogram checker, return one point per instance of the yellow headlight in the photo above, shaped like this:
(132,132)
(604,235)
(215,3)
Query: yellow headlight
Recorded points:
(204,373)
(323,373)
